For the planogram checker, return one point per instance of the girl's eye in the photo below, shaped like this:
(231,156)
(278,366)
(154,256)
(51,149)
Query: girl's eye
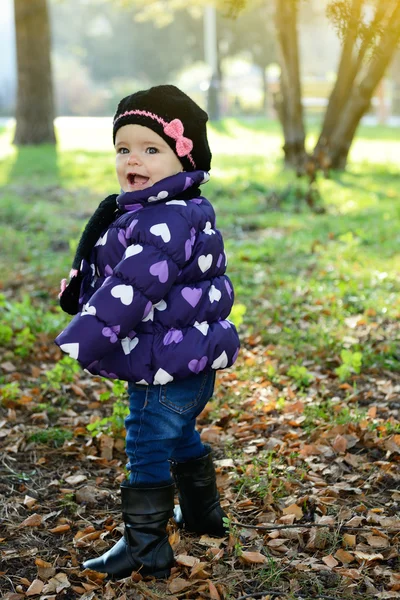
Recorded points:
(123,151)
(151,150)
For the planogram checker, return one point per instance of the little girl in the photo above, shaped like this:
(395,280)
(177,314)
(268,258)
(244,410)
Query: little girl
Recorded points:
(151,300)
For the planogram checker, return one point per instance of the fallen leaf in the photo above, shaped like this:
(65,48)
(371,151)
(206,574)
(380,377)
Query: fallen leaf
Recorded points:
(178,585)
(214,595)
(58,583)
(60,528)
(45,569)
(35,588)
(29,501)
(187,561)
(32,521)
(293,509)
(377,541)
(363,556)
(340,444)
(349,539)
(253,558)
(343,556)
(75,479)
(330,561)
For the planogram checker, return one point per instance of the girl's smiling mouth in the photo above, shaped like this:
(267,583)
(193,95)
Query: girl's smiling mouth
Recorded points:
(137,180)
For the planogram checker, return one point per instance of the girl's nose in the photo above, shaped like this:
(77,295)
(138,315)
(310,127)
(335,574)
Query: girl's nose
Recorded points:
(133,159)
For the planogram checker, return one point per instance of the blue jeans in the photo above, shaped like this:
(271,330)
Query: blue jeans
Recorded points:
(162,426)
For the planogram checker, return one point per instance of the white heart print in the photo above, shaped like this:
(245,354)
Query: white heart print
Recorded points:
(181,202)
(128,345)
(124,293)
(133,250)
(161,229)
(220,362)
(208,229)
(162,377)
(88,310)
(203,327)
(102,240)
(162,305)
(205,262)
(214,294)
(160,196)
(71,349)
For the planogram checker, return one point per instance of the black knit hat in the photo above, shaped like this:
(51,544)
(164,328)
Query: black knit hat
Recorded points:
(175,117)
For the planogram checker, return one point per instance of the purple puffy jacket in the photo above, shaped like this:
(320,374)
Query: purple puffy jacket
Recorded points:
(155,298)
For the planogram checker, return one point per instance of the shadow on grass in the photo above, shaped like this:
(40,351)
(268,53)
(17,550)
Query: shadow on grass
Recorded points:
(35,165)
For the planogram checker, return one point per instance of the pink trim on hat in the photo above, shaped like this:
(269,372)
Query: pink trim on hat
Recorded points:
(173,129)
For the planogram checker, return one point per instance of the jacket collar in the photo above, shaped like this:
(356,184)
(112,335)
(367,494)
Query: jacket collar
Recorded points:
(162,191)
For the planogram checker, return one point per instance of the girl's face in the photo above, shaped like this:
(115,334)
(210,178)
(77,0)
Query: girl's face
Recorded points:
(143,158)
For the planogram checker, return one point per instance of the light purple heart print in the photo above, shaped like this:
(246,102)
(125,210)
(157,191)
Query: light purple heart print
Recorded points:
(108,271)
(196,200)
(228,288)
(108,375)
(148,308)
(225,324)
(129,229)
(173,335)
(234,357)
(121,237)
(192,295)
(197,365)
(188,249)
(219,262)
(111,332)
(188,183)
(133,207)
(160,270)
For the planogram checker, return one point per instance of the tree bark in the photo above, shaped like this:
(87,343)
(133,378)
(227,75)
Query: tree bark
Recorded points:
(288,102)
(361,96)
(344,78)
(35,104)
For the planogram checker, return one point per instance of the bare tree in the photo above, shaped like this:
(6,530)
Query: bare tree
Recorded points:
(370,31)
(288,102)
(35,104)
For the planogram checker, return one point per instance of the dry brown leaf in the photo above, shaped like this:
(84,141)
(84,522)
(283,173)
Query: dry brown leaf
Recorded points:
(253,558)
(29,501)
(377,541)
(340,444)
(364,557)
(75,479)
(45,569)
(199,571)
(34,520)
(58,583)
(349,540)
(35,588)
(178,585)
(206,540)
(330,561)
(343,556)
(186,560)
(293,509)
(60,528)
(214,595)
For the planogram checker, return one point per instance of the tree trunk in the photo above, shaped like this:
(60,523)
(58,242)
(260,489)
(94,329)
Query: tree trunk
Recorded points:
(35,105)
(288,101)
(361,96)
(344,78)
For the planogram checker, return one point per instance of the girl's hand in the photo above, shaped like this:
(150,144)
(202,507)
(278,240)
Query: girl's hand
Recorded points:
(63,283)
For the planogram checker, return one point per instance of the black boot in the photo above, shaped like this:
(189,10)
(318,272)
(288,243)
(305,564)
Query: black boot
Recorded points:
(145,546)
(200,510)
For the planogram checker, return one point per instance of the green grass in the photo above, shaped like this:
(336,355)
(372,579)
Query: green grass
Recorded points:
(302,276)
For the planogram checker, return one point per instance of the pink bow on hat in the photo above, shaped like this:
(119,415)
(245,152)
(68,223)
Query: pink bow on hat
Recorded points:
(175,130)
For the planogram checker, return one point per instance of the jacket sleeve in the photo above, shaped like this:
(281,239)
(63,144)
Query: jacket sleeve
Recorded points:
(142,278)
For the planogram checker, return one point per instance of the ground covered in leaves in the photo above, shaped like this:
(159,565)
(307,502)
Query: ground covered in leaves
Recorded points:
(305,428)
